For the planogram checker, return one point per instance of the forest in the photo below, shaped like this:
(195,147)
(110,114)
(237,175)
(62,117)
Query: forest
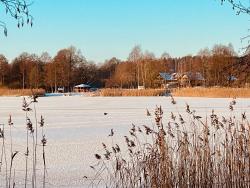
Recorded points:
(69,67)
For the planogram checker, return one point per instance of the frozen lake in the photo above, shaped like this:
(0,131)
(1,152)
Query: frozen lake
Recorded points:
(76,126)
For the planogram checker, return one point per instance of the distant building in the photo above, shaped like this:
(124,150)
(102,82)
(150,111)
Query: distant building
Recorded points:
(141,87)
(168,76)
(231,78)
(60,90)
(171,80)
(82,88)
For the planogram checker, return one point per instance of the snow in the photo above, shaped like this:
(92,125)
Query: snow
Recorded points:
(75,127)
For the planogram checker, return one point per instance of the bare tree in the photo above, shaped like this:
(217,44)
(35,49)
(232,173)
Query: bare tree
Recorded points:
(238,6)
(165,56)
(242,65)
(3,69)
(135,56)
(19,10)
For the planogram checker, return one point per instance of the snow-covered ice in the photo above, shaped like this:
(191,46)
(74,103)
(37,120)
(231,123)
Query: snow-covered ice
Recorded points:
(75,127)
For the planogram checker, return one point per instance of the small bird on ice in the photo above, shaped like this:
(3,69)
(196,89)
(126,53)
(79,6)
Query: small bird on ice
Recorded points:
(111,132)
(148,113)
(105,113)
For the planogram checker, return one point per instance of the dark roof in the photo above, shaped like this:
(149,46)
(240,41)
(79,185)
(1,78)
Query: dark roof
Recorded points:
(231,78)
(168,76)
(175,76)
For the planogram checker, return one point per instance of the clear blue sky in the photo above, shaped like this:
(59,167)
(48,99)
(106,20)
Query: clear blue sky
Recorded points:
(102,29)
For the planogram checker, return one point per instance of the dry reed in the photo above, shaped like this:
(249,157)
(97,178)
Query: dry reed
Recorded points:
(191,152)
(31,131)
(213,92)
(21,92)
(131,92)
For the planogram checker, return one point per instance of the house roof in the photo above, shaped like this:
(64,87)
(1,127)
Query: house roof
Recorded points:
(82,86)
(168,76)
(175,76)
(231,78)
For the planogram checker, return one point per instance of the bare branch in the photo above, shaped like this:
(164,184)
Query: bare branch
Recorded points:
(19,10)
(238,6)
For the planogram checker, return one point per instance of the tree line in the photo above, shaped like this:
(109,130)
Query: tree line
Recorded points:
(69,68)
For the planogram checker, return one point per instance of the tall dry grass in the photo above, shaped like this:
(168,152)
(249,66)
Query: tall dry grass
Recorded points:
(212,92)
(185,152)
(21,92)
(131,92)
(8,152)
